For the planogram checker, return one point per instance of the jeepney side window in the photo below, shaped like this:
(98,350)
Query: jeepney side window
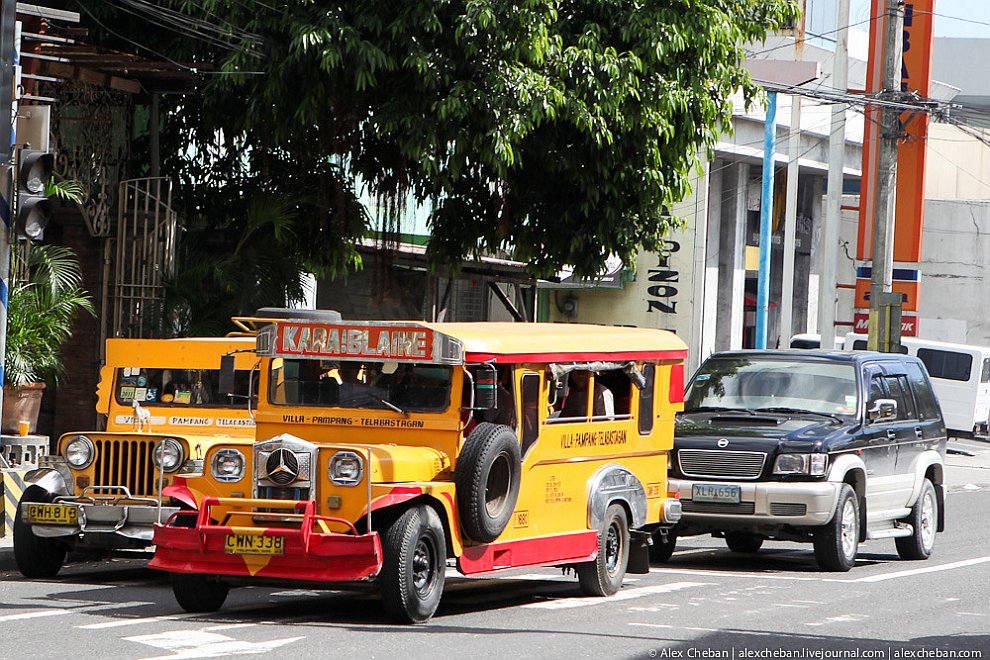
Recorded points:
(646,400)
(618,384)
(177,387)
(529,429)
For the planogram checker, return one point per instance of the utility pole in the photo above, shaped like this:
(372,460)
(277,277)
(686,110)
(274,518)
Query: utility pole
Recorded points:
(885,317)
(766,215)
(8,20)
(833,202)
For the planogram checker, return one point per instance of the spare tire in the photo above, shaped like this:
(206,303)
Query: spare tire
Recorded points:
(487,478)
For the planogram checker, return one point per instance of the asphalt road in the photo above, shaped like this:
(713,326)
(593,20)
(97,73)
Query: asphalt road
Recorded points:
(706,602)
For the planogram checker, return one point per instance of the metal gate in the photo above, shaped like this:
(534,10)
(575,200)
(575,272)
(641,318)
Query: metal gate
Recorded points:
(145,256)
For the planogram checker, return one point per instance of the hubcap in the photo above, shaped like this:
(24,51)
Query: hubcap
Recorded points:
(612,548)
(422,565)
(928,520)
(498,485)
(849,531)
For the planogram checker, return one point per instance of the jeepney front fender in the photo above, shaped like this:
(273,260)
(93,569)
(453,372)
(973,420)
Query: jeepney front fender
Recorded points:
(51,480)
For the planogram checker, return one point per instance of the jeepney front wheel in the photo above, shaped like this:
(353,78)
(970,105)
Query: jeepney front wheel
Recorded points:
(36,556)
(414,558)
(603,576)
(199,593)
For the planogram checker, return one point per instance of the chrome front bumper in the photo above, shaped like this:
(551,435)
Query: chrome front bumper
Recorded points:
(120,514)
(763,503)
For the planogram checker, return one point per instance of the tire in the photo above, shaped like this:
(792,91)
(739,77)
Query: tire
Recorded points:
(924,520)
(743,541)
(603,576)
(199,593)
(36,556)
(837,542)
(414,560)
(487,479)
(662,548)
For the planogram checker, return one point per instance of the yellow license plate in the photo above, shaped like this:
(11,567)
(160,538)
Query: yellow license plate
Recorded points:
(51,514)
(252,544)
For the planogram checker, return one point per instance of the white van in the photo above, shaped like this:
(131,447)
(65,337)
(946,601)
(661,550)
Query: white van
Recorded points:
(813,342)
(960,374)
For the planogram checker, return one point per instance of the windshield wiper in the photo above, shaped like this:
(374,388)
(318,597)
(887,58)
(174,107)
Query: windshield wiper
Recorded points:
(799,411)
(719,409)
(387,403)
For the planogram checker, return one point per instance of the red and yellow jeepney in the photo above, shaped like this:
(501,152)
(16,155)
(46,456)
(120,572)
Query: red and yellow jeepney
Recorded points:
(385,449)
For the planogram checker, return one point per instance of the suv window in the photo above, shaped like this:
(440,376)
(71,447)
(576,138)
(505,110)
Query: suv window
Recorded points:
(898,390)
(923,394)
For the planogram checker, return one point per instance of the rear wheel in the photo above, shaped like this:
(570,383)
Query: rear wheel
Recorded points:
(837,542)
(663,547)
(414,560)
(199,593)
(743,541)
(603,576)
(924,520)
(36,556)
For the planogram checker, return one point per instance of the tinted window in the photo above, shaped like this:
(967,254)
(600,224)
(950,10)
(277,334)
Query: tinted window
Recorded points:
(949,365)
(861,345)
(530,410)
(923,394)
(876,390)
(985,374)
(898,390)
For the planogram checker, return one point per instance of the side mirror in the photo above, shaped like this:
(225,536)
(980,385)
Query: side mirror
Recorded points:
(486,388)
(226,384)
(882,410)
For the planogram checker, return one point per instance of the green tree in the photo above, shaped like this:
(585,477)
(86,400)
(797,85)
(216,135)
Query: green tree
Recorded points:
(559,130)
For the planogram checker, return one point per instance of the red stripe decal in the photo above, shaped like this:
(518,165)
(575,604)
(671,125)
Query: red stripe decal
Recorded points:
(585,356)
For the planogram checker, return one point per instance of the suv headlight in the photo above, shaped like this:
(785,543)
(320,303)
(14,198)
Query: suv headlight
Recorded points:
(346,468)
(79,452)
(168,455)
(812,464)
(227,465)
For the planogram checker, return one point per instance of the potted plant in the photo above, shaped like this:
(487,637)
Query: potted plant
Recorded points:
(43,301)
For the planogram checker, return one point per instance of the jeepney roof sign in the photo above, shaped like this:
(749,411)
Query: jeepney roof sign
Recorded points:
(397,342)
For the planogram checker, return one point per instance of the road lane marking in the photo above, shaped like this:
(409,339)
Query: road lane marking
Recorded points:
(842,618)
(762,576)
(139,621)
(204,644)
(569,603)
(33,615)
(74,610)
(922,571)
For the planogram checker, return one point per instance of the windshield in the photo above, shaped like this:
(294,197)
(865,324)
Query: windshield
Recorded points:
(187,388)
(357,384)
(758,384)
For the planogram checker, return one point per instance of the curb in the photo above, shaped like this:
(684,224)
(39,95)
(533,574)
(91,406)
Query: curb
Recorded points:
(7,562)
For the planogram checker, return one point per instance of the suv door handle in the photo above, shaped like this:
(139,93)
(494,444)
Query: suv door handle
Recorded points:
(891,433)
(918,432)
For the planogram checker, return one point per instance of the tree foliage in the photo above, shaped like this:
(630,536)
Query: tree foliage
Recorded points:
(559,131)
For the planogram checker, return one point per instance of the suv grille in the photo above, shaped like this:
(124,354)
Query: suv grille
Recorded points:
(741,509)
(721,464)
(125,462)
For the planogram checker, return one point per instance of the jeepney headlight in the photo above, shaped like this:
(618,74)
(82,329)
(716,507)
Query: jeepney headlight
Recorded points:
(79,452)
(812,464)
(227,465)
(346,468)
(168,455)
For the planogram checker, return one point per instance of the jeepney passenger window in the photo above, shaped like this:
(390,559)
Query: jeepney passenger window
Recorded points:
(646,400)
(529,430)
(618,384)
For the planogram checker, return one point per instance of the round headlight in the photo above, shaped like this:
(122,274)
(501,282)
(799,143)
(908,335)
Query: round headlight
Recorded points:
(346,468)
(227,465)
(168,455)
(79,452)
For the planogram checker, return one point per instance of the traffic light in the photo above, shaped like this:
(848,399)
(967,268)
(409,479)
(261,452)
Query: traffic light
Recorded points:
(34,209)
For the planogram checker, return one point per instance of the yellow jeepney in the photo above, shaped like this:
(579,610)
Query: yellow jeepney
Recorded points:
(164,411)
(386,449)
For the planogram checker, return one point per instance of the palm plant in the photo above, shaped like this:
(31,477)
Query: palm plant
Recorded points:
(40,312)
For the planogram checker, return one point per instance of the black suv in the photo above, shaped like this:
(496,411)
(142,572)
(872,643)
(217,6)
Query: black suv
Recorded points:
(825,447)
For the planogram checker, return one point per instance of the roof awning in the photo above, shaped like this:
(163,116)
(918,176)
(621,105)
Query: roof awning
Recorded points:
(614,277)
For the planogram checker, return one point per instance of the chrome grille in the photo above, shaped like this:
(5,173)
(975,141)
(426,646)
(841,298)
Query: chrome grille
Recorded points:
(786,509)
(741,509)
(721,464)
(125,462)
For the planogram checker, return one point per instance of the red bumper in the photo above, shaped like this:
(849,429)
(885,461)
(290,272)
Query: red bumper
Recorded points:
(305,555)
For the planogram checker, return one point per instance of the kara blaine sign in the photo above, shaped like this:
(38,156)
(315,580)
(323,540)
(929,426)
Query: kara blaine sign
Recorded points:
(375,342)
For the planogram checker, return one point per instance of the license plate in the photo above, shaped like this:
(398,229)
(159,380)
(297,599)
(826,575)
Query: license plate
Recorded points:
(252,544)
(51,514)
(716,493)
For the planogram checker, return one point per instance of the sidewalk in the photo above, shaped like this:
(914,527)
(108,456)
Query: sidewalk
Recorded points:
(962,473)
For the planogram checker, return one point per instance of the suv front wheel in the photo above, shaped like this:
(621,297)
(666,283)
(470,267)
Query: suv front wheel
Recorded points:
(837,542)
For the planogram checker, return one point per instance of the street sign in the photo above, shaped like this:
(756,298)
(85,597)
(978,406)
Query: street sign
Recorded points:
(909,324)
